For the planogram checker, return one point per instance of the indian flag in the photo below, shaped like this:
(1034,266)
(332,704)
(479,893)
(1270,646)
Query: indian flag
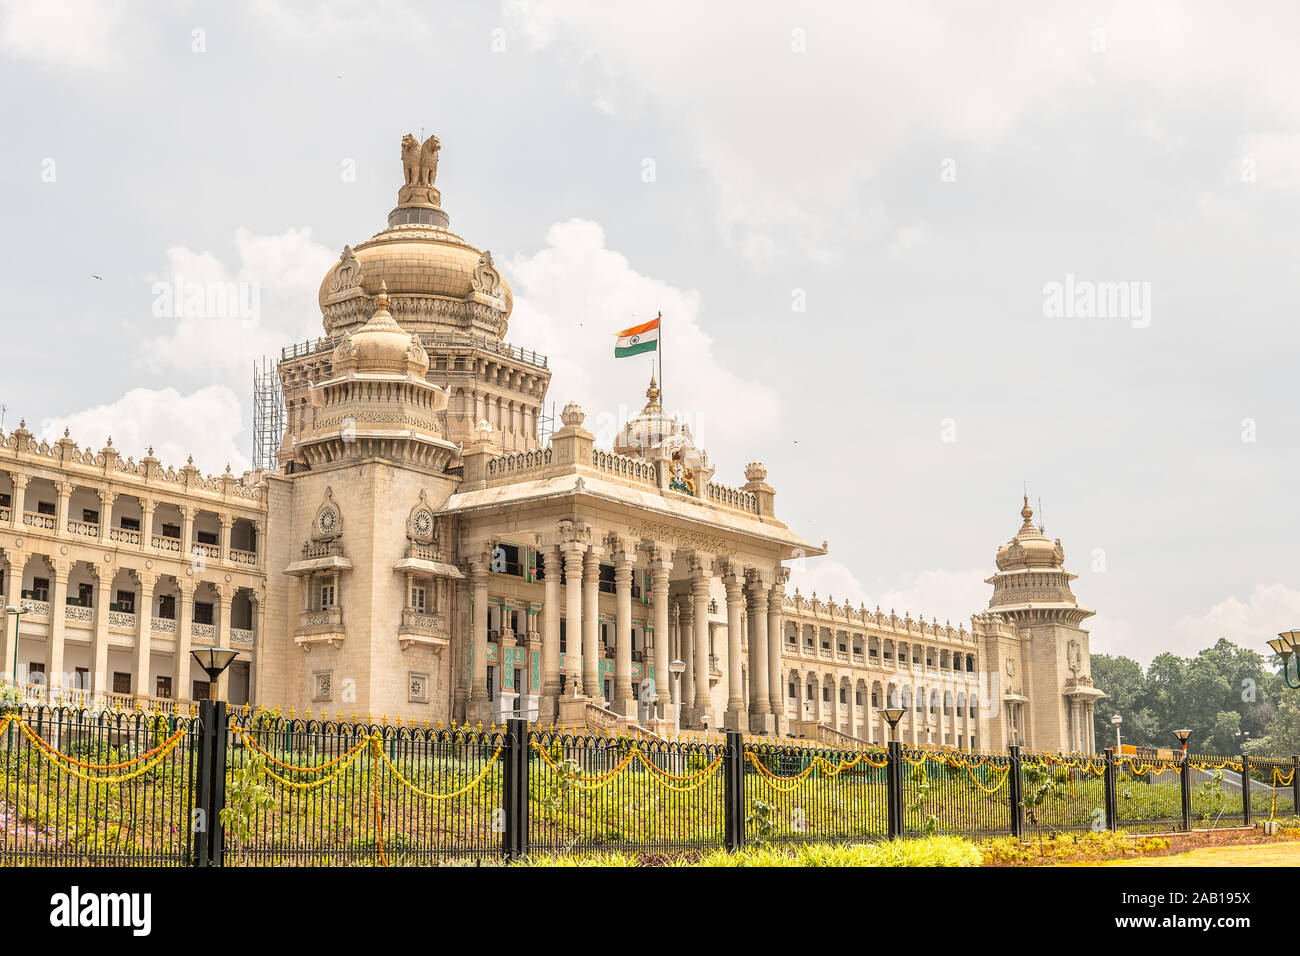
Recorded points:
(638,339)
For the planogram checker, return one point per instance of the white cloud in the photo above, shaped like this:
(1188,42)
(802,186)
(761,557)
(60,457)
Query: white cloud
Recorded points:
(827,579)
(77,34)
(204,423)
(269,302)
(570,299)
(793,110)
(950,596)
(1274,157)
(1249,623)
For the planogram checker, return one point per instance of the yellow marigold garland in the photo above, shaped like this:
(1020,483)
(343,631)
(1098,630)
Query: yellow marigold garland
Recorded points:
(90,778)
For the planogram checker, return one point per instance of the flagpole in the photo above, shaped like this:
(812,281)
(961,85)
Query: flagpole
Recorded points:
(660,350)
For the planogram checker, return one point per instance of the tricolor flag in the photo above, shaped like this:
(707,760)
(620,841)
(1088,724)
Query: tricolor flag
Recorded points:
(638,339)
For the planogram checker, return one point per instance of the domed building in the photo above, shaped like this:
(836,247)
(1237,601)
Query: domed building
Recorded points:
(421,545)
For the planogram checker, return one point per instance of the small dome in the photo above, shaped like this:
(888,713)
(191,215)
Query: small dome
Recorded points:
(652,428)
(1030,548)
(381,346)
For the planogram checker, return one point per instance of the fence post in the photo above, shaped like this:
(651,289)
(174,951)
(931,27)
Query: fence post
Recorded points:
(202,787)
(514,796)
(1112,796)
(208,846)
(894,789)
(220,734)
(1245,790)
(733,792)
(1185,782)
(1016,789)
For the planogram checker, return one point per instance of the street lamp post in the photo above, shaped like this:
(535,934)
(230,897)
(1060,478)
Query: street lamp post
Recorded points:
(1117,720)
(213,660)
(677,667)
(1284,646)
(893,715)
(1182,736)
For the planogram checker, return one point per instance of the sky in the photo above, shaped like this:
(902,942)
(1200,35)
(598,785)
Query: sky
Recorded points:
(915,257)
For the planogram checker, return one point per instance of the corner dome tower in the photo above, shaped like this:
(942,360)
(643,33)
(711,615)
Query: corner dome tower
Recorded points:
(436,281)
(1032,584)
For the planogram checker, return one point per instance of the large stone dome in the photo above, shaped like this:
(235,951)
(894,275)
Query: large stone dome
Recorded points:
(436,281)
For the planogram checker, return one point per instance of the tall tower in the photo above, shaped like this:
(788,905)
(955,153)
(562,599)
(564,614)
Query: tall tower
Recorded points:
(1031,591)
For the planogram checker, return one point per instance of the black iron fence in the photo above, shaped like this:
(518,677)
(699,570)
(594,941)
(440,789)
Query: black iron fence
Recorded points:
(220,790)
(107,789)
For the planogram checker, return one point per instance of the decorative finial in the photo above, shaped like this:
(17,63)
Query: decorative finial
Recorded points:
(110,441)
(381,304)
(151,451)
(66,432)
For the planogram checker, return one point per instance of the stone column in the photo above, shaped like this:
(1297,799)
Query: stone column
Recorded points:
(736,716)
(143,634)
(464,640)
(16,512)
(255,665)
(58,616)
(226,595)
(551,633)
(591,626)
(184,621)
(64,488)
(106,499)
(479,704)
(187,531)
(853,705)
(223,538)
(147,507)
(10,638)
(99,682)
(623,701)
(775,605)
(573,553)
(659,571)
(761,717)
(686,643)
(700,598)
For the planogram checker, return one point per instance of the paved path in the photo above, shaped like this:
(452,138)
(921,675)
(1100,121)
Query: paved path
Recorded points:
(1260,854)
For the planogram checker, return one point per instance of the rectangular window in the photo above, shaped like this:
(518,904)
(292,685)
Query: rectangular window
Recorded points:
(81,678)
(202,690)
(121,683)
(163,687)
(167,607)
(126,602)
(793,695)
(85,595)
(202,615)
(130,524)
(206,537)
(417,598)
(5,502)
(90,516)
(40,589)
(45,508)
(171,530)
(505,560)
(326,596)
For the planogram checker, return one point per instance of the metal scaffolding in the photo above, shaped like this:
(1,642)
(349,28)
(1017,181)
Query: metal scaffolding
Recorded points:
(268,416)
